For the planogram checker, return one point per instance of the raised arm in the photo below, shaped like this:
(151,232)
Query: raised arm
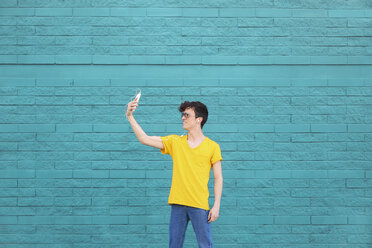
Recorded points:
(154,141)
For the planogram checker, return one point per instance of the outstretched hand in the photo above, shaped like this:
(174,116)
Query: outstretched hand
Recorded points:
(131,107)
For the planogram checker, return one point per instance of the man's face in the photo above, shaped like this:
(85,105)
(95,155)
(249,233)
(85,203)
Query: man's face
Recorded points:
(188,118)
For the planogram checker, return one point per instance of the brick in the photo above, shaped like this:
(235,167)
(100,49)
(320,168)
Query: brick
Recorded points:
(328,128)
(164,12)
(345,82)
(359,128)
(8,183)
(35,201)
(127,174)
(369,174)
(66,128)
(359,60)
(309,173)
(239,174)
(254,22)
(110,59)
(8,220)
(110,220)
(8,128)
(292,128)
(15,100)
(91,82)
(137,220)
(110,128)
(183,60)
(72,59)
(237,12)
(54,82)
(8,21)
(91,11)
(346,13)
(202,12)
(291,60)
(272,174)
(72,201)
(335,220)
(328,60)
(146,60)
(255,128)
(291,220)
(244,220)
(17,11)
(128,11)
(53,174)
(59,100)
(309,13)
(219,60)
(8,3)
(30,59)
(359,220)
(18,174)
(273,12)
(358,183)
(346,174)
(8,59)
(8,201)
(73,40)
(53,12)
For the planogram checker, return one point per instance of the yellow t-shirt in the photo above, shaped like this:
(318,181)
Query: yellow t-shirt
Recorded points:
(191,170)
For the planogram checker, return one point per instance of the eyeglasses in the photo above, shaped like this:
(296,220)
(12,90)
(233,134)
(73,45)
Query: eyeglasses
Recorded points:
(187,115)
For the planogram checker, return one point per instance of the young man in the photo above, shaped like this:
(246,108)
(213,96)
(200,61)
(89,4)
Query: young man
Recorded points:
(193,157)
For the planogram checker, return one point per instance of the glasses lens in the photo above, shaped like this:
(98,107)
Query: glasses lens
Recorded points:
(184,114)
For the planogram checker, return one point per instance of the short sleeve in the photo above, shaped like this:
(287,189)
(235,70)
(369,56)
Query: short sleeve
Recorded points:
(168,144)
(216,154)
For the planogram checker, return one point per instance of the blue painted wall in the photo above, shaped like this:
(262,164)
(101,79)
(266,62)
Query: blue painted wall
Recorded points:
(288,85)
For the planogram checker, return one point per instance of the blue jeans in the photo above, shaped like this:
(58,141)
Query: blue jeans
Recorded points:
(180,216)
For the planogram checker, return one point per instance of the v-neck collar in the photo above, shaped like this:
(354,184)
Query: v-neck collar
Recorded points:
(187,143)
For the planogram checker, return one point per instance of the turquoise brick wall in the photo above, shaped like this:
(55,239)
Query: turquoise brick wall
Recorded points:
(288,85)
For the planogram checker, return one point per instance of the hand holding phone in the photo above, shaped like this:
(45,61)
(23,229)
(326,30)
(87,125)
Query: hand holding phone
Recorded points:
(137,98)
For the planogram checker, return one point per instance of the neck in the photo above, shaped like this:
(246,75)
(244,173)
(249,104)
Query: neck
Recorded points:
(195,135)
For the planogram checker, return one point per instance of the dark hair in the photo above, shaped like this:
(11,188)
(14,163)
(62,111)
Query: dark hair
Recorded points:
(199,108)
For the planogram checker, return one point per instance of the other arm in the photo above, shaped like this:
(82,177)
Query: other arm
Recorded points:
(218,182)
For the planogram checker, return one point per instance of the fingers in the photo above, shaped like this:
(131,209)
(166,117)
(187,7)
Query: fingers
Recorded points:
(132,109)
(132,105)
(212,217)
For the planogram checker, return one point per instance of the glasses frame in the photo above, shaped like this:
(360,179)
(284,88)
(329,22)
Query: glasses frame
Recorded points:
(187,115)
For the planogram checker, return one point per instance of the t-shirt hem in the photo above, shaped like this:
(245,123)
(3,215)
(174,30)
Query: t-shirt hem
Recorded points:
(188,205)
